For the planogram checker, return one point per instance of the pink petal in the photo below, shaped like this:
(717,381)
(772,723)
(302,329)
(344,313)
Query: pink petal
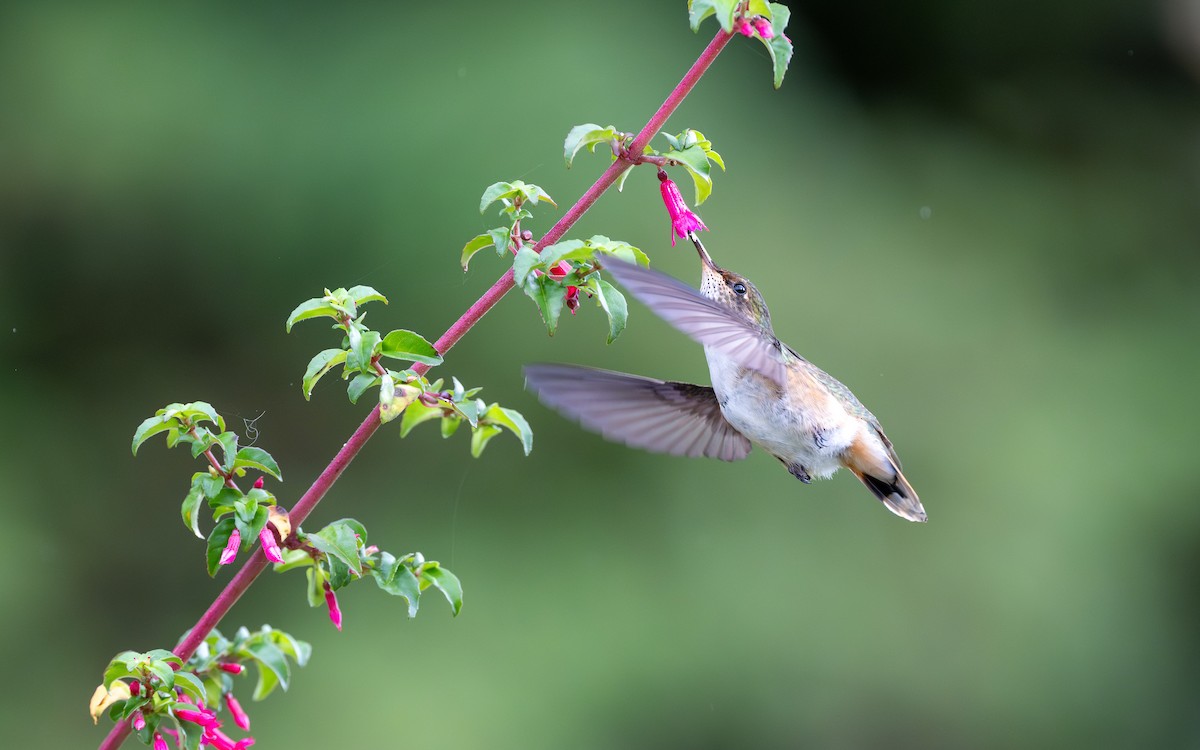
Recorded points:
(231,548)
(235,710)
(269,545)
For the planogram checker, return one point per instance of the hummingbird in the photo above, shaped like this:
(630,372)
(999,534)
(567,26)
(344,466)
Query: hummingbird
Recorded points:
(763,393)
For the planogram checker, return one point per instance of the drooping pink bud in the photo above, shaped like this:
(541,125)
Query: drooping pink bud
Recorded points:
(203,718)
(235,710)
(269,545)
(559,271)
(232,667)
(763,27)
(231,548)
(139,721)
(744,28)
(159,742)
(683,220)
(135,688)
(572,298)
(260,483)
(335,612)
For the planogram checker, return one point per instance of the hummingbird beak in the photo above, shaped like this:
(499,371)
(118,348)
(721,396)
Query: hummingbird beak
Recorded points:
(704,257)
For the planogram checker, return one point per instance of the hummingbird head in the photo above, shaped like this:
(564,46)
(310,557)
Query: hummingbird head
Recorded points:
(731,290)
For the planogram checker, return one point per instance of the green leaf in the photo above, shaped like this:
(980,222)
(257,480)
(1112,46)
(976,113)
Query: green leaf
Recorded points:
(191,505)
(548,296)
(493,193)
(229,450)
(415,414)
(149,427)
(469,410)
(481,436)
(589,135)
(359,385)
(337,540)
(191,684)
(270,660)
(475,245)
(397,579)
(725,11)
(779,47)
(615,307)
(524,262)
(300,651)
(218,539)
(501,238)
(450,425)
(318,307)
(696,160)
(447,583)
(406,345)
(318,366)
(316,586)
(359,357)
(515,422)
(364,294)
(566,250)
(257,458)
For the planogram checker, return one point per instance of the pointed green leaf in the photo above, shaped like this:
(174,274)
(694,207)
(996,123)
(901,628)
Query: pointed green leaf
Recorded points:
(415,414)
(515,422)
(481,437)
(589,135)
(397,579)
(473,246)
(548,296)
(318,366)
(270,659)
(337,539)
(149,427)
(725,11)
(360,355)
(446,582)
(493,194)
(615,307)
(318,307)
(501,238)
(364,294)
(359,385)
(189,683)
(779,47)
(450,425)
(566,250)
(524,262)
(406,345)
(191,507)
(257,458)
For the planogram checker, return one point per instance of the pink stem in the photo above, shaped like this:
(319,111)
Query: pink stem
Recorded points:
(258,562)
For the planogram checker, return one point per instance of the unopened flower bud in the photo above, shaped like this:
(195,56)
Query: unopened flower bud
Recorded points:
(235,710)
(259,483)
(335,612)
(139,721)
(526,235)
(559,271)
(232,667)
(231,548)
(745,28)
(763,27)
(159,742)
(270,547)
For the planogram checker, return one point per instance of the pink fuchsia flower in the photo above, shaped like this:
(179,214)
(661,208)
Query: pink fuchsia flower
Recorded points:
(204,718)
(335,612)
(235,710)
(159,742)
(135,688)
(269,545)
(559,271)
(139,721)
(218,739)
(231,548)
(572,298)
(683,221)
(259,483)
(744,28)
(232,667)
(763,27)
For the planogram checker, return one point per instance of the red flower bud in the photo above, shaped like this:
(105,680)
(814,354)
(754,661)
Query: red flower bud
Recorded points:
(232,667)
(203,718)
(763,27)
(159,742)
(259,483)
(139,721)
(231,548)
(335,612)
(559,271)
(235,710)
(744,28)
(135,688)
(572,298)
(270,547)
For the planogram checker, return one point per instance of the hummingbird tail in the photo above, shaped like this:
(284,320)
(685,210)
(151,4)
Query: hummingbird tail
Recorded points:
(896,493)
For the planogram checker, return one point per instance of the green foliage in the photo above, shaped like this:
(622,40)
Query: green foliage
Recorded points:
(779,47)
(271,651)
(459,405)
(591,135)
(695,152)
(338,304)
(724,10)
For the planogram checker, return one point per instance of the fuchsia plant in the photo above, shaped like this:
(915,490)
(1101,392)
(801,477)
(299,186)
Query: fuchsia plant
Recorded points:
(176,694)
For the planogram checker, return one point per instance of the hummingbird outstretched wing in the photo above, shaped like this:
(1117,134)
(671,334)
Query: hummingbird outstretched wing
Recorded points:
(680,419)
(708,322)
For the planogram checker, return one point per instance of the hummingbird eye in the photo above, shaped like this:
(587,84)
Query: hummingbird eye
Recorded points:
(739,288)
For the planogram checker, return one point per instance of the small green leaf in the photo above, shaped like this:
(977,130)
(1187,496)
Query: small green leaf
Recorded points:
(218,539)
(779,47)
(446,582)
(566,250)
(359,385)
(337,539)
(229,450)
(191,506)
(548,296)
(406,345)
(524,262)
(318,366)
(589,135)
(318,307)
(191,684)
(450,425)
(475,245)
(481,437)
(359,357)
(270,659)
(415,414)
(257,458)
(493,194)
(725,11)
(696,160)
(398,580)
(364,294)
(515,422)
(501,238)
(149,427)
(615,307)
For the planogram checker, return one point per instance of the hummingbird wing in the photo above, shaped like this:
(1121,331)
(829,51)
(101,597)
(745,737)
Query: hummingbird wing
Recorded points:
(661,416)
(704,320)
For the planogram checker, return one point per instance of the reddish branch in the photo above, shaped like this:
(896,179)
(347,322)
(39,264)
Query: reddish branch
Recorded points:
(257,562)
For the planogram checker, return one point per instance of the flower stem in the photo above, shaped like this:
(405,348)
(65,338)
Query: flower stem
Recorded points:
(304,506)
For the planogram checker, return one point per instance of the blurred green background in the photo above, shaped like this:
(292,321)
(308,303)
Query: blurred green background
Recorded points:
(983,218)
